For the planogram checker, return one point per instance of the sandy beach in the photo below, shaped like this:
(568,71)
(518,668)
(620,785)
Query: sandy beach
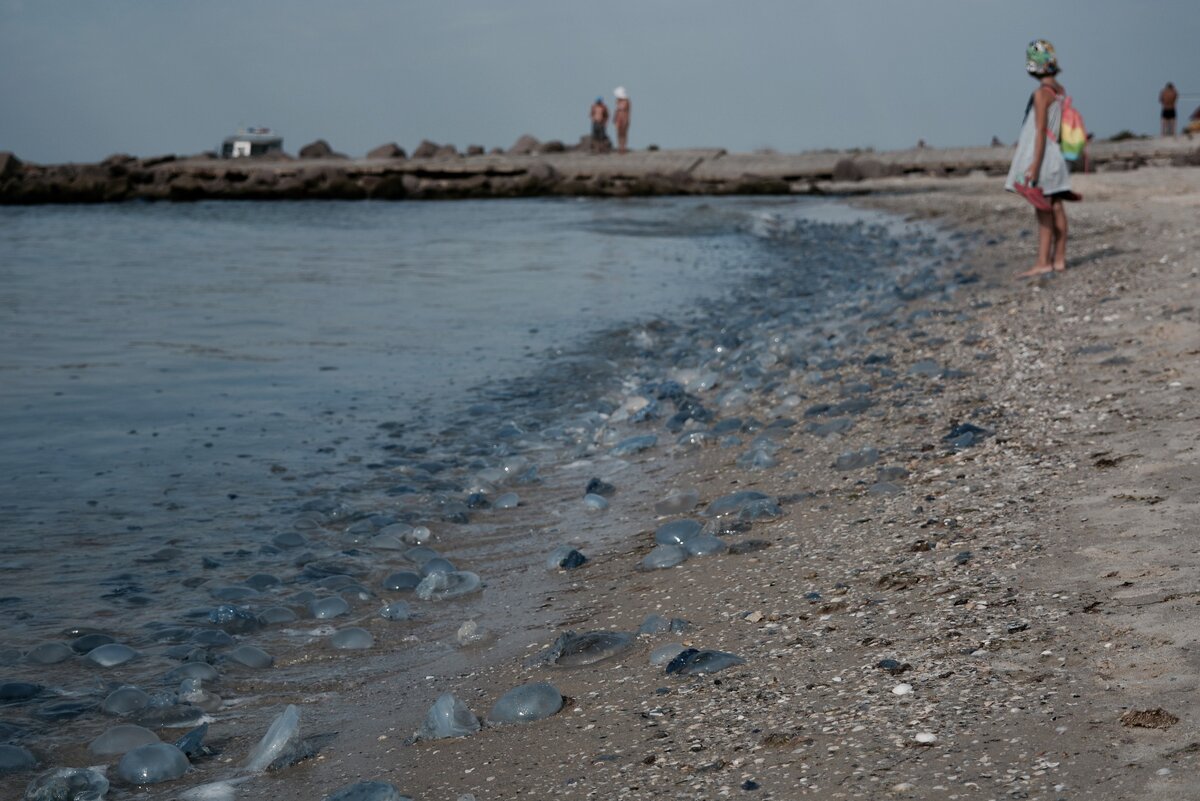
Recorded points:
(1033,589)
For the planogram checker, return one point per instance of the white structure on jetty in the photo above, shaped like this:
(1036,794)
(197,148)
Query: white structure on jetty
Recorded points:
(251,142)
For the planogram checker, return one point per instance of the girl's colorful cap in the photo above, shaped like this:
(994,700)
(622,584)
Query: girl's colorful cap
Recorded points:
(1040,58)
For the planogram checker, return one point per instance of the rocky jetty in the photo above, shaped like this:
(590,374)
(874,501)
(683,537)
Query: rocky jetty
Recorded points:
(528,168)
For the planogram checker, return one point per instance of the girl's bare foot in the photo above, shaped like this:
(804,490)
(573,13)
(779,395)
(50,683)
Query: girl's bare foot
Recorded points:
(1060,266)
(1037,269)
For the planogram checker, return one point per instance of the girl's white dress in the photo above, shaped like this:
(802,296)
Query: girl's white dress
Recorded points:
(1054,177)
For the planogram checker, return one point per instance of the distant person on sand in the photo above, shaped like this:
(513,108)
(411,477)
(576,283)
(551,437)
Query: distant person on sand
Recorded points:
(1167,97)
(599,126)
(621,117)
(1039,171)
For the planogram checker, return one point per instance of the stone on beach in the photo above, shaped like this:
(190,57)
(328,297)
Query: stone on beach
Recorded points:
(120,739)
(448,717)
(663,556)
(367,791)
(443,586)
(527,703)
(352,639)
(152,764)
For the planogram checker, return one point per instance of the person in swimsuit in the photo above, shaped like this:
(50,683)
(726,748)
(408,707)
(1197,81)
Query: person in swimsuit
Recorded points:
(1038,161)
(621,117)
(599,126)
(1167,97)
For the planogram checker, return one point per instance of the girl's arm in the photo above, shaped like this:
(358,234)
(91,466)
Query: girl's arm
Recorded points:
(1041,111)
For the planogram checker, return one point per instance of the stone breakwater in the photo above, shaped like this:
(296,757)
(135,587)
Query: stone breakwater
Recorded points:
(450,176)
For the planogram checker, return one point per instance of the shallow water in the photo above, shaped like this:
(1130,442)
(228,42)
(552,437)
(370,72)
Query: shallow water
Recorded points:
(181,384)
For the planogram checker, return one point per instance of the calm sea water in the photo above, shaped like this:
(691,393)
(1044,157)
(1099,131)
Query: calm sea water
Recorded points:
(156,352)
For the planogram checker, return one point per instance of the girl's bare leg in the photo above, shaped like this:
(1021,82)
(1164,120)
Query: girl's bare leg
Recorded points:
(1059,210)
(1045,221)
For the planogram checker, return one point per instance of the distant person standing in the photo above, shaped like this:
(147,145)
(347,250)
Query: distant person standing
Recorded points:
(599,126)
(621,118)
(1167,97)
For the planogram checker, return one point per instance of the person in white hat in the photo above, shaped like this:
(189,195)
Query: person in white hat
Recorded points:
(621,117)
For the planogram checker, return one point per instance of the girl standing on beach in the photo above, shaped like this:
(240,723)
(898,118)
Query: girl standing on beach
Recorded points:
(1039,171)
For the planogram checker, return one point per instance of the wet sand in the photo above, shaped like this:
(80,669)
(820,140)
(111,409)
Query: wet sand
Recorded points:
(1035,588)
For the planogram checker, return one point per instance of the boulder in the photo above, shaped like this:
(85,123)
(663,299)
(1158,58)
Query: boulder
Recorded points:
(1182,160)
(9,164)
(389,151)
(524,146)
(497,151)
(846,170)
(446,152)
(475,150)
(387,187)
(426,149)
(553,146)
(154,161)
(319,149)
(542,174)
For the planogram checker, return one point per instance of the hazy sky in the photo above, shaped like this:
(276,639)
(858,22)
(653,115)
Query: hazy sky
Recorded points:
(82,79)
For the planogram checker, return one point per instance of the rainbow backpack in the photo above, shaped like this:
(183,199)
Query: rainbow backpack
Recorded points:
(1072,139)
